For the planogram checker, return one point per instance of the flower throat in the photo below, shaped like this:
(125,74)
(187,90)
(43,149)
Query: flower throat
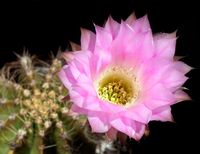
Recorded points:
(117,86)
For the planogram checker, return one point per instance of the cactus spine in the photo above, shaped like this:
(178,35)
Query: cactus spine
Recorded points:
(34,117)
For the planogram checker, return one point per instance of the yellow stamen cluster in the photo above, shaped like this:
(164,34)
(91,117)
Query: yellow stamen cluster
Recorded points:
(117,85)
(115,92)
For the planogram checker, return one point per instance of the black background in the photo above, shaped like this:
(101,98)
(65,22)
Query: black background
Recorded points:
(43,26)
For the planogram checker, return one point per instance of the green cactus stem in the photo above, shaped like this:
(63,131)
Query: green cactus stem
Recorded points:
(34,117)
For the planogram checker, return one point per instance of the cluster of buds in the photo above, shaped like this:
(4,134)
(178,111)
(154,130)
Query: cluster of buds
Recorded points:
(32,106)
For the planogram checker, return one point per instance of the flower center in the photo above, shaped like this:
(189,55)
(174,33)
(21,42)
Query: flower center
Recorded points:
(116,92)
(118,85)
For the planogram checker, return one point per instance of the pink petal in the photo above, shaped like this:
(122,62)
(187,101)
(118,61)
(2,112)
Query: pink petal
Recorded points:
(77,96)
(124,45)
(182,67)
(85,85)
(88,40)
(62,76)
(111,108)
(150,72)
(135,45)
(176,58)
(82,68)
(140,130)
(70,75)
(95,66)
(165,45)
(79,65)
(138,112)
(141,25)
(77,109)
(161,36)
(162,114)
(99,62)
(112,27)
(125,48)
(92,103)
(69,56)
(90,113)
(80,90)
(75,47)
(103,37)
(147,48)
(174,79)
(112,133)
(163,71)
(131,19)
(181,96)
(138,127)
(120,126)
(158,96)
(98,125)
(129,127)
(104,57)
(72,72)
(82,63)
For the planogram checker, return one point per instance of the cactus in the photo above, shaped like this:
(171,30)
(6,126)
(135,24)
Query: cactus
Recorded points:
(34,117)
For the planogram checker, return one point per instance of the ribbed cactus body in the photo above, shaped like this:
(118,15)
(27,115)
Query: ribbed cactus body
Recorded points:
(34,115)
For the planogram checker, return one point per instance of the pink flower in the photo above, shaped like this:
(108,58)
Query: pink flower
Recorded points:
(122,77)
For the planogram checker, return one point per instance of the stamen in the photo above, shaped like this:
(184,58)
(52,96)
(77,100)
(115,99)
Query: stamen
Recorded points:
(118,85)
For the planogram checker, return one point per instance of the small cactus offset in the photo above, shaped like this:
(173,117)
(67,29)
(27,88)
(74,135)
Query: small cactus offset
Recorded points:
(34,116)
